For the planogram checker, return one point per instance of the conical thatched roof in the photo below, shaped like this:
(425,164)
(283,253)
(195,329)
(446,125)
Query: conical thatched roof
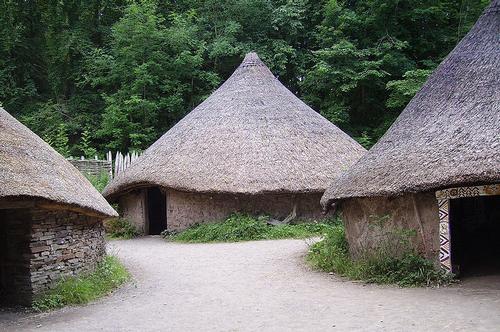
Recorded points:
(250,136)
(30,168)
(449,134)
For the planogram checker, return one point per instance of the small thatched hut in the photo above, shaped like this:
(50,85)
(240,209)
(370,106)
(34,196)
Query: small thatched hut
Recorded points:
(50,215)
(437,169)
(252,146)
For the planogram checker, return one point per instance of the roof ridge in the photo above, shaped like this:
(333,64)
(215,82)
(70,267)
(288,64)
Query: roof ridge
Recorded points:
(250,136)
(252,60)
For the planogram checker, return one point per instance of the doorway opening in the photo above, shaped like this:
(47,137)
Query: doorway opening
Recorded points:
(15,276)
(474,230)
(4,270)
(157,211)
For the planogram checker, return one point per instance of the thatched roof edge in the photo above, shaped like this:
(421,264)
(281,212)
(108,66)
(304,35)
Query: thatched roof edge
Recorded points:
(448,135)
(31,169)
(251,136)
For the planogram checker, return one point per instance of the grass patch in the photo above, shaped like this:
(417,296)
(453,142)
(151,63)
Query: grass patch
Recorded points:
(378,265)
(98,181)
(243,227)
(108,275)
(120,229)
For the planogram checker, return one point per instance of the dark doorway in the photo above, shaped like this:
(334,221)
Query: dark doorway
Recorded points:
(15,234)
(157,211)
(4,271)
(475,229)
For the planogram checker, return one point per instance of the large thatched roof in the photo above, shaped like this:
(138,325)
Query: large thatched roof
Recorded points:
(449,134)
(250,136)
(30,168)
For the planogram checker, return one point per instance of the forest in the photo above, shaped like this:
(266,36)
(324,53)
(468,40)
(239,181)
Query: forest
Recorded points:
(90,76)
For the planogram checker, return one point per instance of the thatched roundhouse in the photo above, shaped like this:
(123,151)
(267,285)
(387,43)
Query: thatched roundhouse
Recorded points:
(252,146)
(50,215)
(437,168)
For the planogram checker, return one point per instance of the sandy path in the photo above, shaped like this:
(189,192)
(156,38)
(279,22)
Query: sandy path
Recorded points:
(261,285)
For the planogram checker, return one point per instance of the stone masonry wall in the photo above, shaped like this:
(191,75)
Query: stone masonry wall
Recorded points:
(63,243)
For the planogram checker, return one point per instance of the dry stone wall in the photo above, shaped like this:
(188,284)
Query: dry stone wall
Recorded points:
(63,243)
(38,247)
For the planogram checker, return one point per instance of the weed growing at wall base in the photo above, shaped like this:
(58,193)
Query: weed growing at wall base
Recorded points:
(243,227)
(120,229)
(407,269)
(108,275)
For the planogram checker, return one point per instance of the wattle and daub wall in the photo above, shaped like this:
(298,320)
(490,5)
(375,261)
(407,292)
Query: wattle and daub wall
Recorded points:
(374,221)
(39,247)
(132,206)
(185,209)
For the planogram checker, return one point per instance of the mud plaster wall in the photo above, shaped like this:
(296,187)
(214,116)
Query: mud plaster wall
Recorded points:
(185,209)
(368,219)
(132,206)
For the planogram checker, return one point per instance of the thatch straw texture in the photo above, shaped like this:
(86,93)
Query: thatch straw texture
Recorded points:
(252,135)
(30,168)
(448,135)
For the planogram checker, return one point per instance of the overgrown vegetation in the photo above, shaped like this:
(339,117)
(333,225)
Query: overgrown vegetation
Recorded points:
(98,181)
(120,228)
(92,75)
(379,265)
(243,227)
(116,228)
(109,275)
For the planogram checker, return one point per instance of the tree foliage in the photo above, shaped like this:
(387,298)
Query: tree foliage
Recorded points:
(91,75)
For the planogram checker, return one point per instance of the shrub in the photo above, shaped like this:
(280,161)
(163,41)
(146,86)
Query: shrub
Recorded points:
(244,227)
(120,228)
(332,252)
(378,265)
(98,181)
(108,275)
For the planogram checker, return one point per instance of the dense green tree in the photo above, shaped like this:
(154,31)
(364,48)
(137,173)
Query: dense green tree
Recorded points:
(151,75)
(42,51)
(373,56)
(20,79)
(91,75)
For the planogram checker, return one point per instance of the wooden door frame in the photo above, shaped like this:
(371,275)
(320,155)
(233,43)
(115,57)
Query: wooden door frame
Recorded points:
(443,199)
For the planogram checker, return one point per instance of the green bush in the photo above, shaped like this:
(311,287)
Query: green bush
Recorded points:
(108,275)
(243,227)
(120,228)
(379,265)
(98,181)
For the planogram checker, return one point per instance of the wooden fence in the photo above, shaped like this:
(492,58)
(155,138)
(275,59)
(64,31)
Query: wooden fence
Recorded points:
(122,162)
(111,166)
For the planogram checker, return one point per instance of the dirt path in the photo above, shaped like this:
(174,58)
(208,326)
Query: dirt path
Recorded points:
(258,286)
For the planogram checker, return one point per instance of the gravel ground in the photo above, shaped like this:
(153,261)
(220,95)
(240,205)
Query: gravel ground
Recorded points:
(262,285)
